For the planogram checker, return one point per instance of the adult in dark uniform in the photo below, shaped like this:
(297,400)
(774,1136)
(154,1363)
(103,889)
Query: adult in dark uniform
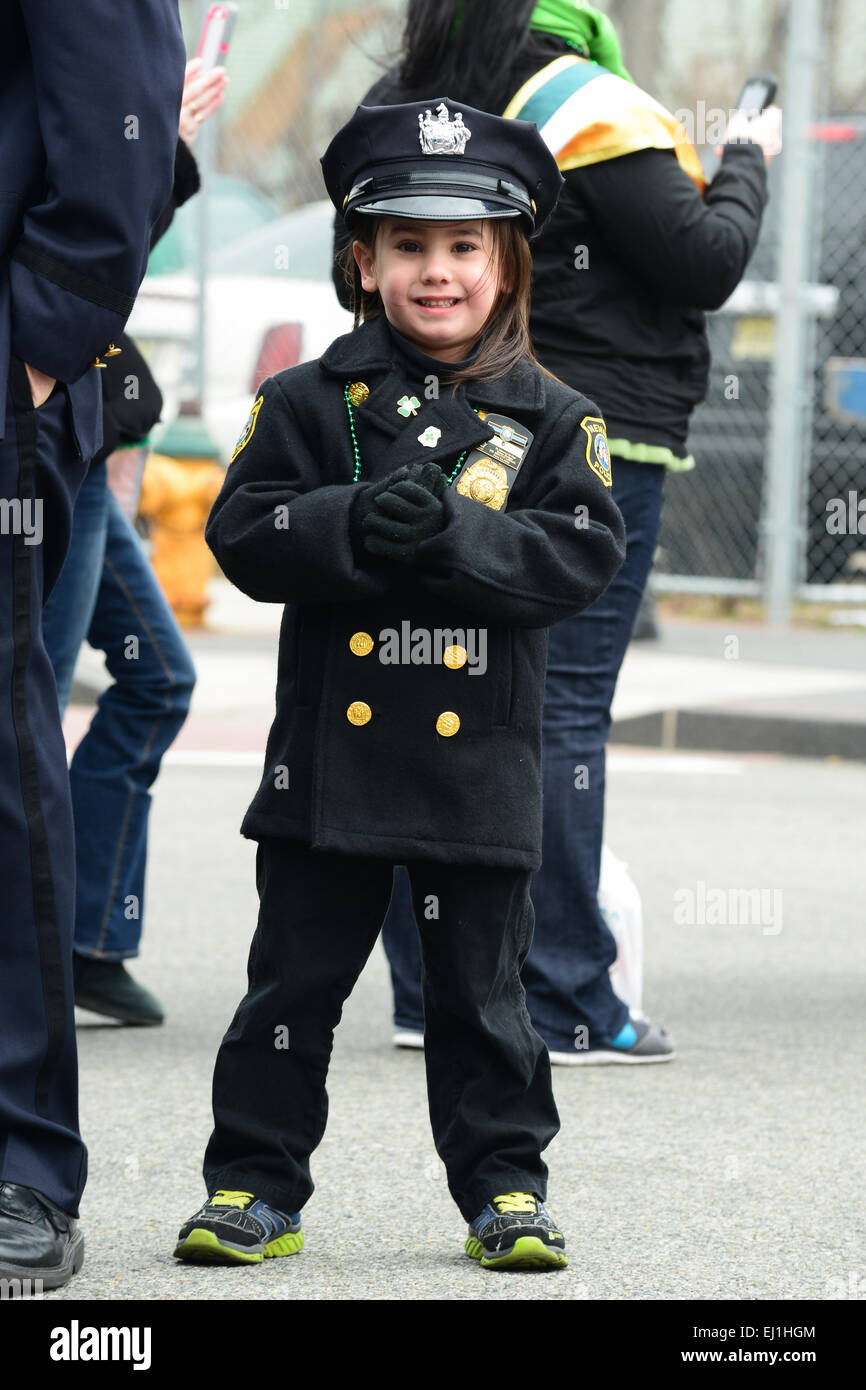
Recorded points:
(89,101)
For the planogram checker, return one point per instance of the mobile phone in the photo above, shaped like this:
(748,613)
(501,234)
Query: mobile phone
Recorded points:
(758,93)
(215,36)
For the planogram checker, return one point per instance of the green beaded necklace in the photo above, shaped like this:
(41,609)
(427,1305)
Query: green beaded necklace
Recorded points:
(357,451)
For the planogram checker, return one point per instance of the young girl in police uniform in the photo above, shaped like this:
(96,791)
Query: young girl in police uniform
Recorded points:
(422,492)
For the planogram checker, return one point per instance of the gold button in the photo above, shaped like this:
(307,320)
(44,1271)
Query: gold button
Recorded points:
(112,351)
(361,643)
(96,363)
(358,392)
(448,723)
(455,657)
(359,713)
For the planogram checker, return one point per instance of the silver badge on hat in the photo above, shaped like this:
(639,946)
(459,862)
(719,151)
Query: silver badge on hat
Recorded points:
(439,135)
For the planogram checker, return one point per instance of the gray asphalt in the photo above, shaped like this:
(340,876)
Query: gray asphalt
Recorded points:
(735,1172)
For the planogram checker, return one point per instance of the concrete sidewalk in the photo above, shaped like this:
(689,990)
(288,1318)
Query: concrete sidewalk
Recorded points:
(736,688)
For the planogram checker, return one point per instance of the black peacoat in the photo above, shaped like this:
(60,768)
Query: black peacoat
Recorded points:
(409,697)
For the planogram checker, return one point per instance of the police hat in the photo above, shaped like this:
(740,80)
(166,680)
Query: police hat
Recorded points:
(440,160)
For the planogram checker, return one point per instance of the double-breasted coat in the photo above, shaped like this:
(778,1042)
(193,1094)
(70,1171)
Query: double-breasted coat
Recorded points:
(409,696)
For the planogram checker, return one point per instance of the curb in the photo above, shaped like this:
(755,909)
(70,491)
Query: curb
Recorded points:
(725,731)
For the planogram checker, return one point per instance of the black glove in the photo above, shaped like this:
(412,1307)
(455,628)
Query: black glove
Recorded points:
(363,505)
(402,516)
(429,476)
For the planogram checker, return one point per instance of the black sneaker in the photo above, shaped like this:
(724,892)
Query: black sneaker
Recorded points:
(234,1228)
(515,1232)
(104,987)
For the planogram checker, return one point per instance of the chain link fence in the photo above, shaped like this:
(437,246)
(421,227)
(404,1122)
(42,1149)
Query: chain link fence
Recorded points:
(836,525)
(299,67)
(711,539)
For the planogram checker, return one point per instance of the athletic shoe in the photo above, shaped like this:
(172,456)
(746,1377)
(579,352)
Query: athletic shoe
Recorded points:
(515,1232)
(235,1228)
(407,1037)
(647,1042)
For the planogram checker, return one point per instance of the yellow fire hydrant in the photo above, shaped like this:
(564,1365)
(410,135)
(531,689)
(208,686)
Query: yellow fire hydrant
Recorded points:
(177,494)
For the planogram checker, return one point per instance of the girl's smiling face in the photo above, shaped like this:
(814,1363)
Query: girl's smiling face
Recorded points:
(438,281)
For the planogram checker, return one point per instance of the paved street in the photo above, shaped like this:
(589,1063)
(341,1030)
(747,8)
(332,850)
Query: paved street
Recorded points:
(734,1172)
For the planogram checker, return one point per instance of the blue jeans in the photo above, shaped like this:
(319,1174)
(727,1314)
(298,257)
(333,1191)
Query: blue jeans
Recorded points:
(566,973)
(67,614)
(108,592)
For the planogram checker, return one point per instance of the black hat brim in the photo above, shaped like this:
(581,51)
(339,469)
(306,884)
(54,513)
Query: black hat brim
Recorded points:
(435,208)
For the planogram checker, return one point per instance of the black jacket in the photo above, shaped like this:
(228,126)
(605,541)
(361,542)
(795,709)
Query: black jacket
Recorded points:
(394,786)
(629,330)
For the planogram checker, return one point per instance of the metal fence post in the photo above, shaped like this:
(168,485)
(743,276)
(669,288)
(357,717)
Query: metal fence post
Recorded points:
(206,157)
(783,523)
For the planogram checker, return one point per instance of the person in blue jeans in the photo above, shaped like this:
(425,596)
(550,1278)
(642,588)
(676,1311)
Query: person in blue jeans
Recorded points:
(108,592)
(566,972)
(640,244)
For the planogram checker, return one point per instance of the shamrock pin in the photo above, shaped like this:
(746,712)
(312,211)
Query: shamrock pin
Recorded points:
(408,405)
(430,437)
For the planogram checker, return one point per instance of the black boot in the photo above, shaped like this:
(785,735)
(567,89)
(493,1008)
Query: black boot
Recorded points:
(104,987)
(41,1246)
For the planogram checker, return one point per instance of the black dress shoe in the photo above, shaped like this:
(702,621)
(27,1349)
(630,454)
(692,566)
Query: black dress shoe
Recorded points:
(38,1241)
(104,987)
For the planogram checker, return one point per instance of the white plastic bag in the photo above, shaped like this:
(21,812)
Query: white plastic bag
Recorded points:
(619,901)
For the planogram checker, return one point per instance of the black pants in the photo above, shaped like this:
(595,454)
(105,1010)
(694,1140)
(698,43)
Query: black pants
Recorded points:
(40,1145)
(488,1073)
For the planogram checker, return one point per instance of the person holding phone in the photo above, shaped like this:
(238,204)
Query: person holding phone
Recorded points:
(639,247)
(79,196)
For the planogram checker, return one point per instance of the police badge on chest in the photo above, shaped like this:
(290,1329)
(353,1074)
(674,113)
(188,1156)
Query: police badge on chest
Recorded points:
(492,467)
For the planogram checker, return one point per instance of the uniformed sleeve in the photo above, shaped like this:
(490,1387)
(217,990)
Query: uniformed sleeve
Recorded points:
(108,79)
(278,533)
(537,564)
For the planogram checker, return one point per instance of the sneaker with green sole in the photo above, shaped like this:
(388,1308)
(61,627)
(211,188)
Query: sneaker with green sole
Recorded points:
(515,1232)
(237,1228)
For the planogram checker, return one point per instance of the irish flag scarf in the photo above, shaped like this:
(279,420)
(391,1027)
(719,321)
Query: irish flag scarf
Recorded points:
(586,114)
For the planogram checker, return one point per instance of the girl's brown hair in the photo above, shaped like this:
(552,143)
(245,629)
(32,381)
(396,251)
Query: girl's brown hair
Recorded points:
(506,329)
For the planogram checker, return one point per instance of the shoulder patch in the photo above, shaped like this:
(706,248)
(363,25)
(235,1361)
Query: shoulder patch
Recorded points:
(247,431)
(597,452)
